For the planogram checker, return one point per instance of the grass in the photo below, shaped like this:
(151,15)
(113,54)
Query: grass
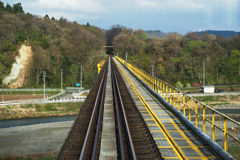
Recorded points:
(39,110)
(235,151)
(219,100)
(225,88)
(215,104)
(222,98)
(27,92)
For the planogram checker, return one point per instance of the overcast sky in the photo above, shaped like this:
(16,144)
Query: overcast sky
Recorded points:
(164,15)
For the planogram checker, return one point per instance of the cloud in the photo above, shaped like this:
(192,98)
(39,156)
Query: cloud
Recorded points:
(87,6)
(70,16)
(170,4)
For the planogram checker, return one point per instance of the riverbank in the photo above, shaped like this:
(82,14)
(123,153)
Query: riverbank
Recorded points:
(39,110)
(43,141)
(39,139)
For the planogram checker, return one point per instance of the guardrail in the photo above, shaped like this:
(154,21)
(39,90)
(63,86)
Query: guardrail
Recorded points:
(56,95)
(41,101)
(184,103)
(30,89)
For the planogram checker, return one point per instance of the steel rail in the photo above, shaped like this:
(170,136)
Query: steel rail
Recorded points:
(159,85)
(92,116)
(153,115)
(148,131)
(116,107)
(100,117)
(126,127)
(75,124)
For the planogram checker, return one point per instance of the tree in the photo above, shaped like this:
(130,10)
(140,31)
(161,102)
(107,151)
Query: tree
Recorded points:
(2,6)
(140,34)
(192,36)
(234,60)
(46,16)
(9,8)
(193,56)
(17,8)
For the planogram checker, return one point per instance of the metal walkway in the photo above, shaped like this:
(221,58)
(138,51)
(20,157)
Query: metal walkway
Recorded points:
(173,137)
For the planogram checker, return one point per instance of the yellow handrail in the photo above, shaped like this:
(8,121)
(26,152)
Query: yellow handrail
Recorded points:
(100,64)
(193,104)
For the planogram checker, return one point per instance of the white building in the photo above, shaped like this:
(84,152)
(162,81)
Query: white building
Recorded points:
(207,89)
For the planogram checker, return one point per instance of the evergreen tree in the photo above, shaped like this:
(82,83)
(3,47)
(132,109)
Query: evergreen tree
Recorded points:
(17,8)
(2,6)
(9,8)
(46,16)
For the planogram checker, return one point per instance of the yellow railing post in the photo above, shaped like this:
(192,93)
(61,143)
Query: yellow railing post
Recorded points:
(167,93)
(189,108)
(220,121)
(163,91)
(152,83)
(234,129)
(174,98)
(178,101)
(149,79)
(170,93)
(184,105)
(196,114)
(155,85)
(204,119)
(225,133)
(158,84)
(213,125)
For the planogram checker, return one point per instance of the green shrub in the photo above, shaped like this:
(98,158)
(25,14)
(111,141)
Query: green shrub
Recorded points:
(179,84)
(188,85)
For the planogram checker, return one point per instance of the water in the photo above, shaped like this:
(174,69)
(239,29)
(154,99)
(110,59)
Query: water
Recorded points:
(31,121)
(230,111)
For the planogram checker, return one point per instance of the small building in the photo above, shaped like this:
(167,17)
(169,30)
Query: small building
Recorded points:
(207,89)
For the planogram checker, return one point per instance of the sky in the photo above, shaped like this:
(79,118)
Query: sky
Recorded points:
(164,15)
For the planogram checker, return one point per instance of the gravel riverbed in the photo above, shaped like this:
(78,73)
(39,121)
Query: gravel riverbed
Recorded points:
(31,139)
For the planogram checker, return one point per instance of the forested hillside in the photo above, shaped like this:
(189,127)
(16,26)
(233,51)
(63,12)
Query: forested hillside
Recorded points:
(56,44)
(180,58)
(224,34)
(155,33)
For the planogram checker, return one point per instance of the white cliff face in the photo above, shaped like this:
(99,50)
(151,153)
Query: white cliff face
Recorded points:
(16,68)
(19,68)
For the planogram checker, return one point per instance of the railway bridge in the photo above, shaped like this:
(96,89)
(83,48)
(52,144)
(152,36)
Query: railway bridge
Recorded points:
(130,114)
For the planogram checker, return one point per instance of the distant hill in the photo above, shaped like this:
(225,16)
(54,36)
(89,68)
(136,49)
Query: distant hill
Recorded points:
(155,33)
(224,34)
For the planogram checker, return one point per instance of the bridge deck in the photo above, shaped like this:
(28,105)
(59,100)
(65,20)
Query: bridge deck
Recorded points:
(108,148)
(173,137)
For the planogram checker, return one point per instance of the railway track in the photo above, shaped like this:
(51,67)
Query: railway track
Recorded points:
(109,125)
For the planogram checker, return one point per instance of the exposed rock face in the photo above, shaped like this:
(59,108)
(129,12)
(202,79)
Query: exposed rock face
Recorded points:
(20,68)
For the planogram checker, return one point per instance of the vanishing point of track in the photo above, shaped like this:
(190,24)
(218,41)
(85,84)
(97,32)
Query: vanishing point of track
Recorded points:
(109,126)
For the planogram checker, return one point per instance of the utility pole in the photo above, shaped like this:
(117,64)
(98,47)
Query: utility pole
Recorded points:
(44,76)
(61,80)
(117,54)
(203,73)
(80,79)
(152,70)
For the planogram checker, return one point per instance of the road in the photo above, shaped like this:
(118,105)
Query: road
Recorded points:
(214,94)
